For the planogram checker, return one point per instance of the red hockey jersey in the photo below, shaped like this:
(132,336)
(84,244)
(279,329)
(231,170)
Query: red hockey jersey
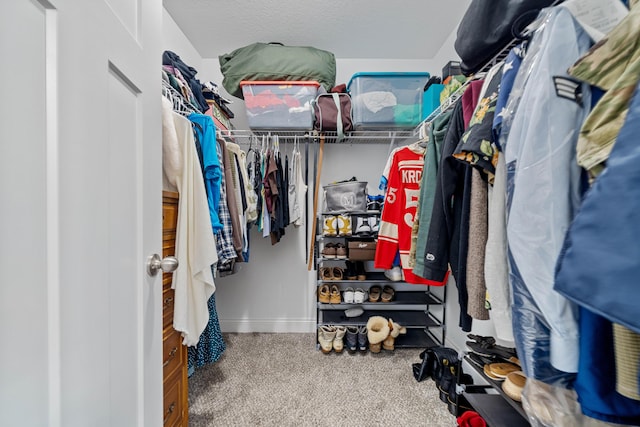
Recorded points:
(398,213)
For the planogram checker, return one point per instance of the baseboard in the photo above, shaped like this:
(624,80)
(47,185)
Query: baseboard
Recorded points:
(268,325)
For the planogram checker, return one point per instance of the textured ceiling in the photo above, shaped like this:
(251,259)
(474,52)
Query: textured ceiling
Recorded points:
(401,29)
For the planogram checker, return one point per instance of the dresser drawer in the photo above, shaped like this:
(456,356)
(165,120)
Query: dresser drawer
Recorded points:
(173,406)
(167,279)
(173,353)
(169,216)
(168,296)
(168,245)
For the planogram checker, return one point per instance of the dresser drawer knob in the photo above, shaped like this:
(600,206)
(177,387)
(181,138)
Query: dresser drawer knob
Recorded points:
(168,301)
(172,408)
(172,354)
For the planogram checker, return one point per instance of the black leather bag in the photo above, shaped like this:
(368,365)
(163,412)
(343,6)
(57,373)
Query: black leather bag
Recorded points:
(437,362)
(488,25)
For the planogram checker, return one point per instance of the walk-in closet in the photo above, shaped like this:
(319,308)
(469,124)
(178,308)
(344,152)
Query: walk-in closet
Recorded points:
(320,213)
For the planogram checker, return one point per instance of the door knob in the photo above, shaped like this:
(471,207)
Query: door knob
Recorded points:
(166,264)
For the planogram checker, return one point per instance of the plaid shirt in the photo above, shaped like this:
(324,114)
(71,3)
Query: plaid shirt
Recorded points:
(224,240)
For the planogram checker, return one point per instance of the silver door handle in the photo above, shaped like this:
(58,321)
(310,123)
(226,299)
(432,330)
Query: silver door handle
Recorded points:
(166,264)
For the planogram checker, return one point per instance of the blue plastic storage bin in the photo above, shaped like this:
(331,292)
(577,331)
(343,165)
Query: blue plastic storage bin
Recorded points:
(387,100)
(431,99)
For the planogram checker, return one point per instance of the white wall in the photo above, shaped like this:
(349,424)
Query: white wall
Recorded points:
(173,39)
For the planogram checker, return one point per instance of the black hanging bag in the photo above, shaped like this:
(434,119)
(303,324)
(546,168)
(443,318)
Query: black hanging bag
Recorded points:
(488,25)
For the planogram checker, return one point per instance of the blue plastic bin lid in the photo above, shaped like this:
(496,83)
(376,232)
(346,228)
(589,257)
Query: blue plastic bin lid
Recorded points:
(388,74)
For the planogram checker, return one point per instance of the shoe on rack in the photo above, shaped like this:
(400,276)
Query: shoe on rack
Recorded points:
(362,338)
(374,202)
(337,273)
(396,329)
(501,370)
(486,349)
(330,226)
(360,296)
(374,293)
(329,251)
(344,225)
(352,339)
(374,223)
(514,384)
(394,274)
(347,295)
(350,272)
(324,294)
(377,331)
(388,293)
(362,226)
(481,361)
(326,273)
(482,339)
(326,335)
(334,297)
(360,271)
(338,343)
(354,312)
(341,251)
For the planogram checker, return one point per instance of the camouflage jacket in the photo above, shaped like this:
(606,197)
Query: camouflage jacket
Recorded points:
(613,64)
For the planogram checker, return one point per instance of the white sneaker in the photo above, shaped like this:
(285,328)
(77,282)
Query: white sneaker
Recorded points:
(394,274)
(348,295)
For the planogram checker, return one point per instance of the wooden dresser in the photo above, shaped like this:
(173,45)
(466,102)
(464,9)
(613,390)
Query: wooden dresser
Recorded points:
(176,392)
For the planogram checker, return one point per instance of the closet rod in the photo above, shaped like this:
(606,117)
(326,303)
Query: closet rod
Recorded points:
(330,137)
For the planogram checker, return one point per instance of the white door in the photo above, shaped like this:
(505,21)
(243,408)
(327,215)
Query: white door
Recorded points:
(80,194)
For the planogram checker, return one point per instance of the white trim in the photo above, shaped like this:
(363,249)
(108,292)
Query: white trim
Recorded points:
(268,325)
(53,216)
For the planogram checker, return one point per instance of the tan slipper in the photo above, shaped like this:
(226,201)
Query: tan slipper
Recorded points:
(338,273)
(513,385)
(335,298)
(501,370)
(326,273)
(323,294)
(488,373)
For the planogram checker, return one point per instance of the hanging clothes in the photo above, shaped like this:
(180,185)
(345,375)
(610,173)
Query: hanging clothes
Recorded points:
(285,192)
(612,65)
(195,247)
(428,188)
(206,133)
(399,210)
(224,238)
(447,238)
(277,214)
(496,269)
(297,189)
(211,345)
(254,173)
(477,149)
(542,196)
(232,199)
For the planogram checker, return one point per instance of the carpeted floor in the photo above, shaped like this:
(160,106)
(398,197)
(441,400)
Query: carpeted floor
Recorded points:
(282,380)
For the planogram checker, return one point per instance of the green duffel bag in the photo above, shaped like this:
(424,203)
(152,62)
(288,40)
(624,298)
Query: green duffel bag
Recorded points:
(274,62)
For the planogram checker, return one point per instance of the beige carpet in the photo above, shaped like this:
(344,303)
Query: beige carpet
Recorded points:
(282,380)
